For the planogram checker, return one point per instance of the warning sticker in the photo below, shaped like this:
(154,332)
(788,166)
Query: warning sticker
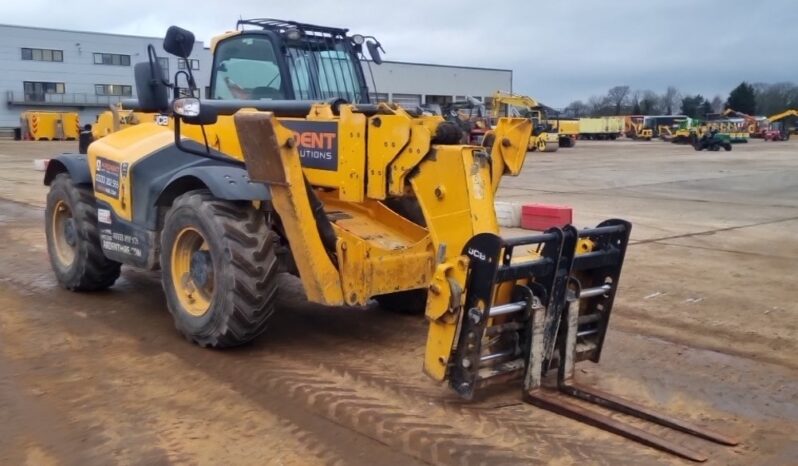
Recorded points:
(106,177)
(103,216)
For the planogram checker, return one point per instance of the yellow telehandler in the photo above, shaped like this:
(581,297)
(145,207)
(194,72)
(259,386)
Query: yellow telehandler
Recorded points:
(287,167)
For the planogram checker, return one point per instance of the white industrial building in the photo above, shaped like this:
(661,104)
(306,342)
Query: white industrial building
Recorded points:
(62,70)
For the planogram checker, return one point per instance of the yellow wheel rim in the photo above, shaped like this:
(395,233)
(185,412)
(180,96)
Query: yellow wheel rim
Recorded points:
(195,298)
(64,234)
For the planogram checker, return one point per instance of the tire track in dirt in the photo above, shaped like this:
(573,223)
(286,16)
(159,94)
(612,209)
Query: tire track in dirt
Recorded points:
(410,418)
(519,427)
(333,371)
(131,408)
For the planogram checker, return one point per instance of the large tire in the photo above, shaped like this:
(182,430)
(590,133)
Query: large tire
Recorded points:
(73,239)
(404,302)
(219,269)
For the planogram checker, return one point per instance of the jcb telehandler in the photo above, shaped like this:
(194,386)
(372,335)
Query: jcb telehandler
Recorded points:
(288,167)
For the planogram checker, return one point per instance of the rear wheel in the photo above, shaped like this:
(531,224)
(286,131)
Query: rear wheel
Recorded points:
(73,238)
(219,269)
(727,147)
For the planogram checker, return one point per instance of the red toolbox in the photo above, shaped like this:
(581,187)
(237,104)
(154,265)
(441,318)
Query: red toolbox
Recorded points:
(544,216)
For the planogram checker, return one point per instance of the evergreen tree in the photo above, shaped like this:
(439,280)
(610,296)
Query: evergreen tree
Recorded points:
(742,99)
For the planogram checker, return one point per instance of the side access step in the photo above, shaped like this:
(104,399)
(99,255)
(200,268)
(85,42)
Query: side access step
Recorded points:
(556,313)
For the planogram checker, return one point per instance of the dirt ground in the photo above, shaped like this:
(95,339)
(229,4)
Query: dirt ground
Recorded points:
(705,327)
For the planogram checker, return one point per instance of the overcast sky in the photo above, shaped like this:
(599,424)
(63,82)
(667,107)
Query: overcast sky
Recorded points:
(559,50)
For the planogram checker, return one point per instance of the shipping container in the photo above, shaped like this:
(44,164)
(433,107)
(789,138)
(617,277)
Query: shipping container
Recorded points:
(600,128)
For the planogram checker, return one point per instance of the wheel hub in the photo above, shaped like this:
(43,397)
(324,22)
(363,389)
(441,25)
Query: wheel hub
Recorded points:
(70,234)
(192,271)
(201,268)
(64,233)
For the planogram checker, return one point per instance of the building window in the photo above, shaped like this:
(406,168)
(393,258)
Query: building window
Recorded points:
(42,54)
(164,62)
(113,89)
(111,59)
(181,64)
(36,91)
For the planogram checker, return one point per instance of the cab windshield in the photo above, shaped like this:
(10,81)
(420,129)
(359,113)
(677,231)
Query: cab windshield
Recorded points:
(247,68)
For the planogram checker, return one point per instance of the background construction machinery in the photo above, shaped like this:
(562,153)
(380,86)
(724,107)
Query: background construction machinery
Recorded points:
(544,137)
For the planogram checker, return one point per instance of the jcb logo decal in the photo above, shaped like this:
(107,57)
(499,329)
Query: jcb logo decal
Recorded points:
(317,143)
(477,254)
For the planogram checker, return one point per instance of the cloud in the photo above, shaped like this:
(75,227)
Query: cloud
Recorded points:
(559,50)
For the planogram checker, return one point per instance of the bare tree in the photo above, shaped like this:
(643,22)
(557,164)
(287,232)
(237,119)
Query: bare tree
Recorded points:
(774,98)
(636,103)
(649,103)
(597,105)
(717,104)
(670,99)
(618,97)
(577,109)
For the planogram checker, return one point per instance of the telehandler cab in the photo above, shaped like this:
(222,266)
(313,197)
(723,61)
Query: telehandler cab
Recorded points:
(288,167)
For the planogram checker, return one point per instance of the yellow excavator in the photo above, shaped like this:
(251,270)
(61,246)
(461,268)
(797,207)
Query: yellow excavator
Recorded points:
(777,124)
(285,169)
(544,138)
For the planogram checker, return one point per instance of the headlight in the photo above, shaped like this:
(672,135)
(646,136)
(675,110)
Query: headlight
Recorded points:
(357,39)
(188,107)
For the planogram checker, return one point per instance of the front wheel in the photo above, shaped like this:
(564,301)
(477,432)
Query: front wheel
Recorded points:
(73,238)
(219,269)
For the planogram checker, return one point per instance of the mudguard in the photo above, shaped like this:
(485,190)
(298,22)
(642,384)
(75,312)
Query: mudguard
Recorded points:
(228,182)
(74,164)
(157,179)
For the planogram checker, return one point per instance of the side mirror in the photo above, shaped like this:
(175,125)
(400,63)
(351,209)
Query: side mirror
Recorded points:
(178,41)
(191,111)
(374,51)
